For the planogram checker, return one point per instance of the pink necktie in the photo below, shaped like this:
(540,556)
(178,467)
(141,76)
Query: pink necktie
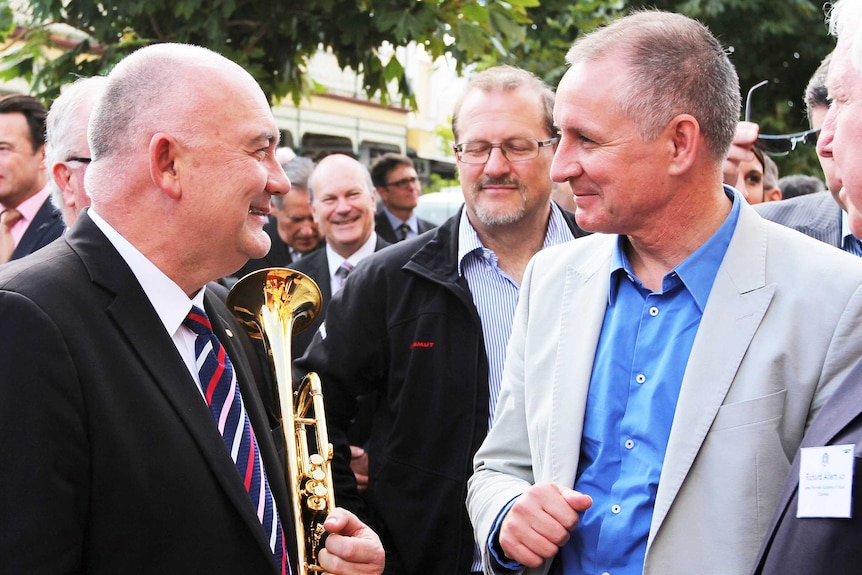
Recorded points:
(8,218)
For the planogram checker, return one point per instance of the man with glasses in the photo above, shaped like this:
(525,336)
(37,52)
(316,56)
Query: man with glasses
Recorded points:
(662,371)
(68,153)
(425,323)
(399,188)
(821,216)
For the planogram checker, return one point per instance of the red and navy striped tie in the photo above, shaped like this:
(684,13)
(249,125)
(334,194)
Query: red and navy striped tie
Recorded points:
(221,390)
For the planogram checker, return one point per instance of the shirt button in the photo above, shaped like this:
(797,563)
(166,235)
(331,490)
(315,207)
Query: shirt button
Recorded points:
(653,311)
(615,509)
(640,378)
(629,444)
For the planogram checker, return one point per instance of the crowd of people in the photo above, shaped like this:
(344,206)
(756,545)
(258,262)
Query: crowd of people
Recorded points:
(619,357)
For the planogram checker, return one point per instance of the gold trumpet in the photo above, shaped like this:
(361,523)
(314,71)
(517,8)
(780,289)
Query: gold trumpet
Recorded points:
(272,304)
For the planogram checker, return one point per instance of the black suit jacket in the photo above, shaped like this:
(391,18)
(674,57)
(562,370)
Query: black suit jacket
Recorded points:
(814,546)
(316,266)
(46,227)
(384,228)
(111,460)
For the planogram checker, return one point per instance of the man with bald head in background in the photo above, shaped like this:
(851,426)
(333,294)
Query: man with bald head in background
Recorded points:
(143,446)
(343,205)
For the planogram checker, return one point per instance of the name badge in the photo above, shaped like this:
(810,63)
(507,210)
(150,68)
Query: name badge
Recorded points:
(826,481)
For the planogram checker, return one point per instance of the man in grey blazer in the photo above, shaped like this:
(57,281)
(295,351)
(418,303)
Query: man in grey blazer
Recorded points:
(661,372)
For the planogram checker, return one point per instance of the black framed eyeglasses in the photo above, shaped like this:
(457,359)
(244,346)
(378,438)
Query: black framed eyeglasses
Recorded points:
(403,183)
(514,150)
(79,159)
(781,144)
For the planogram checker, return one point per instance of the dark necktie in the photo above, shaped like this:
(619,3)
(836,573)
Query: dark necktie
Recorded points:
(851,245)
(403,230)
(8,218)
(221,390)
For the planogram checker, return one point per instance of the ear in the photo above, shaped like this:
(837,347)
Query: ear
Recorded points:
(773,195)
(684,136)
(163,158)
(63,178)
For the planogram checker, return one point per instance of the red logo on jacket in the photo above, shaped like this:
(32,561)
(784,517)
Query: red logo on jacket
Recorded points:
(425,344)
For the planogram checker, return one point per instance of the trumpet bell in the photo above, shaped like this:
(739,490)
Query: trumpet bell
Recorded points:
(273,304)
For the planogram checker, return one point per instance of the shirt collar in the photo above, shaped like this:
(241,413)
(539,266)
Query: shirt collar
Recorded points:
(31,206)
(468,240)
(696,272)
(172,305)
(845,227)
(334,260)
(395,221)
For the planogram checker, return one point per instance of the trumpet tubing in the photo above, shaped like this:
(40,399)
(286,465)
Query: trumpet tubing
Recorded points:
(272,304)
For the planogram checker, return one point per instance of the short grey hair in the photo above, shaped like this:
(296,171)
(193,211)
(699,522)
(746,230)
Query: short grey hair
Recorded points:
(506,79)
(675,66)
(844,14)
(64,123)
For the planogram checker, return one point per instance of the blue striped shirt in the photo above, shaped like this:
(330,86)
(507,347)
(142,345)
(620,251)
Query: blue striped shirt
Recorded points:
(495,296)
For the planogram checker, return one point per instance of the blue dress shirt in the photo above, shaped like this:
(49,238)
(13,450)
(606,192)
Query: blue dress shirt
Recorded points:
(640,362)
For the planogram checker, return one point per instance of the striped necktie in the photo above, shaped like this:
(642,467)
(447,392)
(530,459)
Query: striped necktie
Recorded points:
(221,390)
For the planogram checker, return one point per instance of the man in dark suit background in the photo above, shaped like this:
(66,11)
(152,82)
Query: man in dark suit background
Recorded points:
(291,227)
(113,453)
(342,200)
(26,211)
(396,181)
(812,532)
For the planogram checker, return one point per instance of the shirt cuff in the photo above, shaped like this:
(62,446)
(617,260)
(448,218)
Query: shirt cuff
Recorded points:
(498,558)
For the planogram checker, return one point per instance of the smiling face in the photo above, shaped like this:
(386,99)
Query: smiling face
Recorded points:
(501,192)
(616,177)
(343,203)
(21,167)
(233,172)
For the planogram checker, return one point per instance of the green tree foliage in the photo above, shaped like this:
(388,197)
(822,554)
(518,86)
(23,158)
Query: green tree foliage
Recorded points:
(273,40)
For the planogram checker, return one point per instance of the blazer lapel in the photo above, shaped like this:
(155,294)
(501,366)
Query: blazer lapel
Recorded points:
(580,328)
(737,303)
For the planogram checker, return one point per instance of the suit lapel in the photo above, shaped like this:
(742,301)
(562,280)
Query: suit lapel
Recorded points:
(737,303)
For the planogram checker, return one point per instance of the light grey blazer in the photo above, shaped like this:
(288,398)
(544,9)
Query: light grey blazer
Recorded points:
(778,334)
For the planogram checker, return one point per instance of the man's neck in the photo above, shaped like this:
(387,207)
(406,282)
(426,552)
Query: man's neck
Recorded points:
(516,243)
